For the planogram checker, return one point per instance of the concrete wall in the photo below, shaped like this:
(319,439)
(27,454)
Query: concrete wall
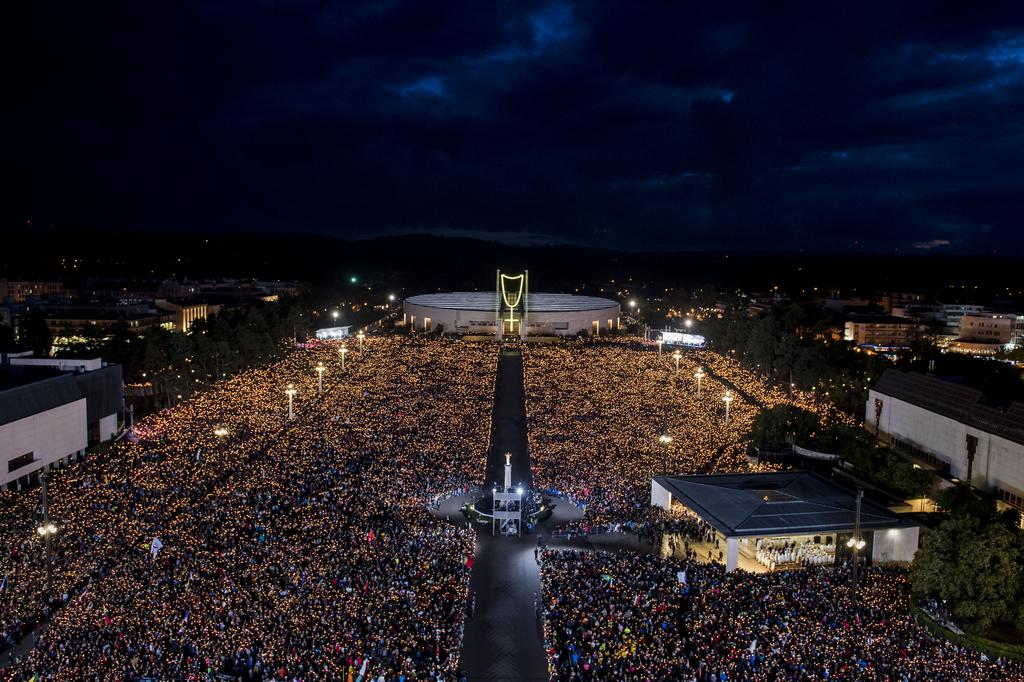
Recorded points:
(660,497)
(895,544)
(998,462)
(108,427)
(50,435)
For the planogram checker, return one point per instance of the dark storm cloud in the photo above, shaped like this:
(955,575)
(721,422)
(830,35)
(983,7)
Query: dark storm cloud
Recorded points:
(637,125)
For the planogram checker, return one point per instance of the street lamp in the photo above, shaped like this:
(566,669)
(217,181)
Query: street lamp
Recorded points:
(290,391)
(856,543)
(220,432)
(700,378)
(360,336)
(661,342)
(342,352)
(334,314)
(688,322)
(320,377)
(677,356)
(727,398)
(47,529)
(664,439)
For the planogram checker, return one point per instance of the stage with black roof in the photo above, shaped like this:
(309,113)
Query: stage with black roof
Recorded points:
(778,519)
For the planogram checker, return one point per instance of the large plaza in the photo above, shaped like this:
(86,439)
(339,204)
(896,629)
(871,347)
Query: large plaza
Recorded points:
(300,515)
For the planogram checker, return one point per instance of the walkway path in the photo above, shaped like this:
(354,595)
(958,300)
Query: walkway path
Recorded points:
(508,431)
(504,639)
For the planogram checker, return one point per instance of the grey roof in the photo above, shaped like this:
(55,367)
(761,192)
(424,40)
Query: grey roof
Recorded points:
(488,301)
(952,400)
(777,503)
(33,396)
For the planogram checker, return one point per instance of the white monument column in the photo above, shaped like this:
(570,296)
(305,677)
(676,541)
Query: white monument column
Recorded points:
(732,554)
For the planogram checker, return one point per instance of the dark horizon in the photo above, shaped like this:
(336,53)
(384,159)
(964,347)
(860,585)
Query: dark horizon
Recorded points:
(412,264)
(874,128)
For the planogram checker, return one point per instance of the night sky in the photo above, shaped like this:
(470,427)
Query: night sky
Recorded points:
(817,126)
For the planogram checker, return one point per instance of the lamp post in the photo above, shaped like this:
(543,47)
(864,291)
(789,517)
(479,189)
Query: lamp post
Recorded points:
(664,439)
(342,352)
(727,399)
(320,377)
(47,529)
(856,543)
(699,376)
(290,391)
(334,314)
(661,342)
(360,336)
(677,356)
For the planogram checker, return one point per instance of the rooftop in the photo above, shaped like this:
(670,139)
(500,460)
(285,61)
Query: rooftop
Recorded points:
(880,319)
(962,403)
(25,391)
(776,503)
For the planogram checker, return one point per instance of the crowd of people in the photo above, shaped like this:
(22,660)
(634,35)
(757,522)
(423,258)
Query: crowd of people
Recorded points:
(639,617)
(225,539)
(605,418)
(287,549)
(771,553)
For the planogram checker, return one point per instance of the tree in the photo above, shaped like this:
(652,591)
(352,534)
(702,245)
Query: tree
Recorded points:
(976,569)
(7,342)
(761,344)
(35,334)
(783,425)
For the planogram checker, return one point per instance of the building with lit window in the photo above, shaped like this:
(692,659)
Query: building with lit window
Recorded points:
(20,291)
(985,333)
(880,331)
(186,313)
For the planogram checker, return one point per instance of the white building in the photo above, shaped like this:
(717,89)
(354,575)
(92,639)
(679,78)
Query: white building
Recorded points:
(947,425)
(985,333)
(476,312)
(51,410)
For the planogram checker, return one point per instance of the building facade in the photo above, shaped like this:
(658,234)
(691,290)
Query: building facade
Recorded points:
(948,426)
(51,410)
(186,313)
(880,331)
(20,291)
(545,314)
(985,333)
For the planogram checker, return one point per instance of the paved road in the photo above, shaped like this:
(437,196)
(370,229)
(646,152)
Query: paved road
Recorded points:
(504,639)
(508,433)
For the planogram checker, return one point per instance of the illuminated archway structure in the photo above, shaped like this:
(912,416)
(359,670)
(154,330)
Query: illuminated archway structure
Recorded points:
(511,310)
(513,292)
